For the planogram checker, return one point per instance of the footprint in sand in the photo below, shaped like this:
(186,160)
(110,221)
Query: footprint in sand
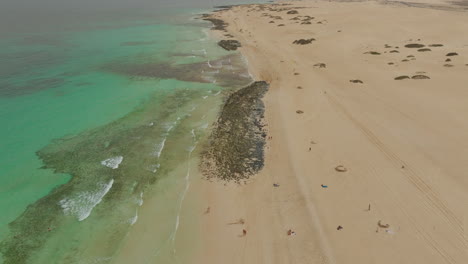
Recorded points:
(341,168)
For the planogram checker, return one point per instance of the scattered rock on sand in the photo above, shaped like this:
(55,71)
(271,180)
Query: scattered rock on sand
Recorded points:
(424,50)
(299,111)
(280,25)
(303,41)
(402,77)
(420,77)
(414,45)
(372,52)
(394,51)
(448,60)
(452,54)
(436,45)
(230,44)
(341,168)
(448,65)
(292,12)
(390,63)
(320,65)
(355,81)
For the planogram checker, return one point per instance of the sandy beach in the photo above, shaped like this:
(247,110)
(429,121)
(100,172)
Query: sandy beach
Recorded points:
(367,151)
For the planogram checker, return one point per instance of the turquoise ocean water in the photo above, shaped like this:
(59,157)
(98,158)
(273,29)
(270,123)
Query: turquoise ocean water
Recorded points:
(97,115)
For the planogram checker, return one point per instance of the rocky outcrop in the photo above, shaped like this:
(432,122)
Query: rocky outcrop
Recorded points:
(303,41)
(235,150)
(229,44)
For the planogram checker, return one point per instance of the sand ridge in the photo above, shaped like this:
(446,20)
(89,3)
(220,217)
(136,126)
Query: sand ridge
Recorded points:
(367,145)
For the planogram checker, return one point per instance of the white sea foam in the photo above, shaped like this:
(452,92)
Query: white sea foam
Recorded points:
(209,64)
(154,168)
(140,201)
(151,124)
(204,126)
(113,162)
(82,204)
(159,148)
(217,93)
(134,219)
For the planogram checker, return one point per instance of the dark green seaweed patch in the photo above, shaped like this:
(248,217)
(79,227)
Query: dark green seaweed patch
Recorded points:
(228,71)
(235,148)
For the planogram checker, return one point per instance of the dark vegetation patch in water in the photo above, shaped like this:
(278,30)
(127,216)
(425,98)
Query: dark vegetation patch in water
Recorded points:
(235,149)
(228,71)
(32,86)
(218,24)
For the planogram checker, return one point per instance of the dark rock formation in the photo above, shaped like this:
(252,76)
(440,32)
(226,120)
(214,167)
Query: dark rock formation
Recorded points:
(402,77)
(355,81)
(303,41)
(452,54)
(292,12)
(420,77)
(235,150)
(424,50)
(414,45)
(436,45)
(372,52)
(218,24)
(229,44)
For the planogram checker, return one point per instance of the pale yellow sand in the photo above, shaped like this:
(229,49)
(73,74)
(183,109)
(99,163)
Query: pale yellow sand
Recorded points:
(373,129)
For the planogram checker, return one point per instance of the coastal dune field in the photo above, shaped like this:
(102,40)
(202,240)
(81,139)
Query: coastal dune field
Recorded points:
(367,151)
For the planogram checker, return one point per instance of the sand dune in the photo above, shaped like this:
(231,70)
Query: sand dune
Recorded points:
(379,147)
